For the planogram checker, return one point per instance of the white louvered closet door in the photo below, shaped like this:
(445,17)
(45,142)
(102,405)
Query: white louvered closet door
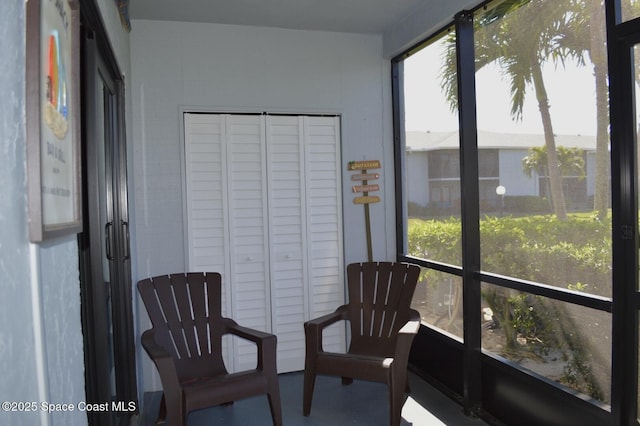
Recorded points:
(287,225)
(248,233)
(325,280)
(226,213)
(263,198)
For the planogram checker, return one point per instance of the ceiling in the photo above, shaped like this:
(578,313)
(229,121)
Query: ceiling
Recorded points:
(354,16)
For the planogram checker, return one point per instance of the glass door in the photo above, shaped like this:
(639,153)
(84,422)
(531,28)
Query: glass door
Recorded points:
(104,245)
(95,244)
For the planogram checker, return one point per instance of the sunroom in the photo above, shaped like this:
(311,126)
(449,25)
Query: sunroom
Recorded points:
(500,139)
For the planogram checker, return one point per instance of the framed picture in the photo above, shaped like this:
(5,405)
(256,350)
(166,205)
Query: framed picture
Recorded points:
(53,118)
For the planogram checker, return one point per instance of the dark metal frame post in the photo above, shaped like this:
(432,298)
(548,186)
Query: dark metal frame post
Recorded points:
(471,299)
(397,69)
(624,370)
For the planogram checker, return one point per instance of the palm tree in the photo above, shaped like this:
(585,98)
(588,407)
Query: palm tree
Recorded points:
(598,54)
(536,162)
(570,163)
(520,39)
(586,35)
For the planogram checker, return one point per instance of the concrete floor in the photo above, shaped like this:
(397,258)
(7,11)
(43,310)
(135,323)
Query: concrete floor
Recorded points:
(361,403)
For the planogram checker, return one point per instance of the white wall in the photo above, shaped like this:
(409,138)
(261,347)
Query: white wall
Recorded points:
(512,176)
(417,178)
(251,69)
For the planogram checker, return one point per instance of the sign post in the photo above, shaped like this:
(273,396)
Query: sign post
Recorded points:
(364,177)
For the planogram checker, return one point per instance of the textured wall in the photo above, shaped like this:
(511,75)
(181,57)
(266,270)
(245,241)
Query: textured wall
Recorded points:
(41,349)
(63,340)
(17,357)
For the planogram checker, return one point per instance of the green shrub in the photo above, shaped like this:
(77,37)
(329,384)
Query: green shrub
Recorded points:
(435,239)
(526,204)
(574,254)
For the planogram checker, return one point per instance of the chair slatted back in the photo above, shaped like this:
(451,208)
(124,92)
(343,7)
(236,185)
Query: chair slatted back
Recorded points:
(380,296)
(185,311)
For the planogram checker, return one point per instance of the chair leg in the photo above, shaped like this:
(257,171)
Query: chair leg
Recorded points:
(274,402)
(307,393)
(397,387)
(175,415)
(347,381)
(162,411)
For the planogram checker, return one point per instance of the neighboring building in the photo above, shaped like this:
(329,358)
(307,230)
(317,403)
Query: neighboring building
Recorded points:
(433,173)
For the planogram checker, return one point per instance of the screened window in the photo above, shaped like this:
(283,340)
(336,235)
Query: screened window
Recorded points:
(630,9)
(444,164)
(542,180)
(539,95)
(432,180)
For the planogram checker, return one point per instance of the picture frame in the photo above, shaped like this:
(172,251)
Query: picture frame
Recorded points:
(53,118)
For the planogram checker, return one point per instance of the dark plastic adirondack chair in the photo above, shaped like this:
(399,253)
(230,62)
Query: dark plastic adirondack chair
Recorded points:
(185,345)
(382,326)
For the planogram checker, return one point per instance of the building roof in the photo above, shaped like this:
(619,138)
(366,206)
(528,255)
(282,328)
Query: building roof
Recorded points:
(431,141)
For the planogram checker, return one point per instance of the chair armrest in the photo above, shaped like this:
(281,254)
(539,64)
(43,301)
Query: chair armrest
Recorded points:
(163,360)
(313,329)
(251,334)
(265,342)
(409,330)
(413,324)
(405,339)
(154,350)
(324,321)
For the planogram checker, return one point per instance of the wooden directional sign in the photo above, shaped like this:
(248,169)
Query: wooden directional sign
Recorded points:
(364,165)
(366,200)
(365,188)
(366,176)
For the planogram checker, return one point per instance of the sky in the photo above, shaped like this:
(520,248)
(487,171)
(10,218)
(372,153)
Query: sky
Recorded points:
(571,93)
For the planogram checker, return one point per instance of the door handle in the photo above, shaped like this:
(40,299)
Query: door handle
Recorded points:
(126,249)
(107,239)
